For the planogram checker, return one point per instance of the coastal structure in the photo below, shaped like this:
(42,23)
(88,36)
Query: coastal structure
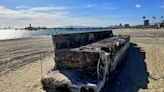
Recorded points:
(146,22)
(34,28)
(127,25)
(29,27)
(84,61)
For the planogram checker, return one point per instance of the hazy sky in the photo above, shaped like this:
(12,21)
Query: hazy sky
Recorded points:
(52,13)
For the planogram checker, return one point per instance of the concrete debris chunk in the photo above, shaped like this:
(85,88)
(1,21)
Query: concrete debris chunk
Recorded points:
(84,60)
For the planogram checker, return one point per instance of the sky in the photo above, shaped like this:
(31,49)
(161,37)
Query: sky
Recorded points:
(55,13)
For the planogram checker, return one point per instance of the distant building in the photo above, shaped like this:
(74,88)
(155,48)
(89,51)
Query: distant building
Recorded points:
(127,25)
(29,27)
(120,25)
(146,22)
(34,28)
(162,24)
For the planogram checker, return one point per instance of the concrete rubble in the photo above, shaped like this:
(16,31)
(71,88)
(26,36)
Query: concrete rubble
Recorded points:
(83,60)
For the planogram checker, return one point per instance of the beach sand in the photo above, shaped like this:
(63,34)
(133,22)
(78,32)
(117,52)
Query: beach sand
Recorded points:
(142,71)
(20,68)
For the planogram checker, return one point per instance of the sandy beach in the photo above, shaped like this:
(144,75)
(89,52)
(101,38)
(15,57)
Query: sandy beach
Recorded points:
(20,65)
(143,69)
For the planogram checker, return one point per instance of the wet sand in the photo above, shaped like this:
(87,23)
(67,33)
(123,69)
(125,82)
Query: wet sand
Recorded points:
(142,71)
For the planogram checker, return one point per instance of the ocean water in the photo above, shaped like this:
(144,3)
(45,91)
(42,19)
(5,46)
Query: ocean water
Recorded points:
(14,34)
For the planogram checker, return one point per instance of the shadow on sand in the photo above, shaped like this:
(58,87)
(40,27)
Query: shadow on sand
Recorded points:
(133,74)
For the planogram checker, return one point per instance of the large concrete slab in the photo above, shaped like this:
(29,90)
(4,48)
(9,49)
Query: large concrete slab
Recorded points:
(65,41)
